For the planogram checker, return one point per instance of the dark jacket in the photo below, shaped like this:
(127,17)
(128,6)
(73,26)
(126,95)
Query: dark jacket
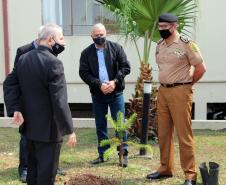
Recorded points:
(116,63)
(22,50)
(12,77)
(42,88)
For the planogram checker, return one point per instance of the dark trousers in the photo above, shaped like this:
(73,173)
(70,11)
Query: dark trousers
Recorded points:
(43,160)
(23,154)
(100,109)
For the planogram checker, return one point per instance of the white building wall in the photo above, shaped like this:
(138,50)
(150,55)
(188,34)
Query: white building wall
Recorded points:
(24,22)
(25,18)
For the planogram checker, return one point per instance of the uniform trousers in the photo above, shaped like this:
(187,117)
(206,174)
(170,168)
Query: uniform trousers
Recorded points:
(174,106)
(43,160)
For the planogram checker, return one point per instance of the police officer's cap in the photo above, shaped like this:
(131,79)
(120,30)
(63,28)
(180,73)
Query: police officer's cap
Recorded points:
(168,17)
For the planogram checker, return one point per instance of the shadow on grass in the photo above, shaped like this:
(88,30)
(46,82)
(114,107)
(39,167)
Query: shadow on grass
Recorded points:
(8,175)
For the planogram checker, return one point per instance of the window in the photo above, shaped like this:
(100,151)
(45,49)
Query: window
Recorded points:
(216,111)
(1,109)
(193,111)
(77,16)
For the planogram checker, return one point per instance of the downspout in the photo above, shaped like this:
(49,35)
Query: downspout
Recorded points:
(6,39)
(6,35)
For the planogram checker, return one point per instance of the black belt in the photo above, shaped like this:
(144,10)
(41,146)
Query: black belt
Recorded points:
(175,84)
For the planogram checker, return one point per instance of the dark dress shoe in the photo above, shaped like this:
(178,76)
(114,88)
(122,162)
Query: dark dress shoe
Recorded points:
(98,160)
(189,182)
(157,175)
(23,176)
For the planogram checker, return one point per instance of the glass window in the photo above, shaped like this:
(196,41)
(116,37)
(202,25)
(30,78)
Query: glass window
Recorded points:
(216,111)
(77,16)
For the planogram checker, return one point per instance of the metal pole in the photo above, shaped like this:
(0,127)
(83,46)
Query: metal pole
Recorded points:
(5,112)
(146,106)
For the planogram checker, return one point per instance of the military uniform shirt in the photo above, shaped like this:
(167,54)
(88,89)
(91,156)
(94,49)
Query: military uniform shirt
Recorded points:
(175,60)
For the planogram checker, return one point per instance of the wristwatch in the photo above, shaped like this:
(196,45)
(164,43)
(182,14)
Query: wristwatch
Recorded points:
(116,81)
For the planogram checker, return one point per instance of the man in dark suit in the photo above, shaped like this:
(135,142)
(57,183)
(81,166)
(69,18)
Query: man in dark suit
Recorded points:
(23,153)
(39,99)
(103,66)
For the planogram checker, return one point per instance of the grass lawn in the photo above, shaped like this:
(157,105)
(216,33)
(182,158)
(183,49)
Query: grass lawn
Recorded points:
(210,146)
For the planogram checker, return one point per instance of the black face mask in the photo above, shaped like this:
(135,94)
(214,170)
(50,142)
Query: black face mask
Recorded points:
(57,48)
(165,33)
(99,40)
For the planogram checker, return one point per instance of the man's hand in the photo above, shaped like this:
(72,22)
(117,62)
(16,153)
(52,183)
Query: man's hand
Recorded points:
(104,87)
(18,118)
(108,87)
(200,69)
(71,140)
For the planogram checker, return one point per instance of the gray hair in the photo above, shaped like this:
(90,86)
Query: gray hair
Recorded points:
(48,30)
(98,26)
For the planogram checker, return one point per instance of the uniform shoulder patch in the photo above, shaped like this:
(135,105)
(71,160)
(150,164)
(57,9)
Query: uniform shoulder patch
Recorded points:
(160,41)
(184,39)
(193,46)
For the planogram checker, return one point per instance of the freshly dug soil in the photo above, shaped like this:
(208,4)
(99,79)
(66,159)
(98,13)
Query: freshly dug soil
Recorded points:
(89,179)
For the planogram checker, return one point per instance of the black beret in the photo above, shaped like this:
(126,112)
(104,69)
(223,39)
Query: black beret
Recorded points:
(168,17)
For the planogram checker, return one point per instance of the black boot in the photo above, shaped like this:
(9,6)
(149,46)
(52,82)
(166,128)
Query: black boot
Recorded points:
(204,173)
(213,173)
(209,177)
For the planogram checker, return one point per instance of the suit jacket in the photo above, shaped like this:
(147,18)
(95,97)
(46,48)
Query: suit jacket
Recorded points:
(12,78)
(116,63)
(43,93)
(22,50)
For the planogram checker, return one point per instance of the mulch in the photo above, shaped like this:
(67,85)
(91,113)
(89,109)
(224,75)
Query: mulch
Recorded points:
(89,179)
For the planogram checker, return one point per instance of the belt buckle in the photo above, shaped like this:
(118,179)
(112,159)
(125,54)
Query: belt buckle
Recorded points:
(164,85)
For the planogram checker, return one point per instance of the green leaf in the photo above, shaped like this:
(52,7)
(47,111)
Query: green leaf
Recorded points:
(110,151)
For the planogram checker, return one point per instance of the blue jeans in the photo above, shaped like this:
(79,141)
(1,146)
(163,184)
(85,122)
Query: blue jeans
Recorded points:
(100,109)
(23,154)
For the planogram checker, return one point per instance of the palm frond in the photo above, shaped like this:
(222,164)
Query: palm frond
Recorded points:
(120,121)
(111,141)
(110,151)
(111,121)
(130,121)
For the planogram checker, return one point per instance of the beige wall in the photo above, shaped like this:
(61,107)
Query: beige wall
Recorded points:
(211,36)
(24,21)
(25,18)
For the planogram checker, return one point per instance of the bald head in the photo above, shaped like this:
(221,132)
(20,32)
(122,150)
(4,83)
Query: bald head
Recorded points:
(98,34)
(97,27)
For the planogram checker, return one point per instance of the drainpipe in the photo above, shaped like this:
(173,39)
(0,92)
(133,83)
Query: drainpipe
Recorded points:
(6,39)
(6,35)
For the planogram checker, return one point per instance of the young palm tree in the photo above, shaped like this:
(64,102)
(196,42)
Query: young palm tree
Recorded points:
(116,143)
(139,19)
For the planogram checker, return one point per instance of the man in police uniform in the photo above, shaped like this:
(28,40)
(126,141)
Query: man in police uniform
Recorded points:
(180,66)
